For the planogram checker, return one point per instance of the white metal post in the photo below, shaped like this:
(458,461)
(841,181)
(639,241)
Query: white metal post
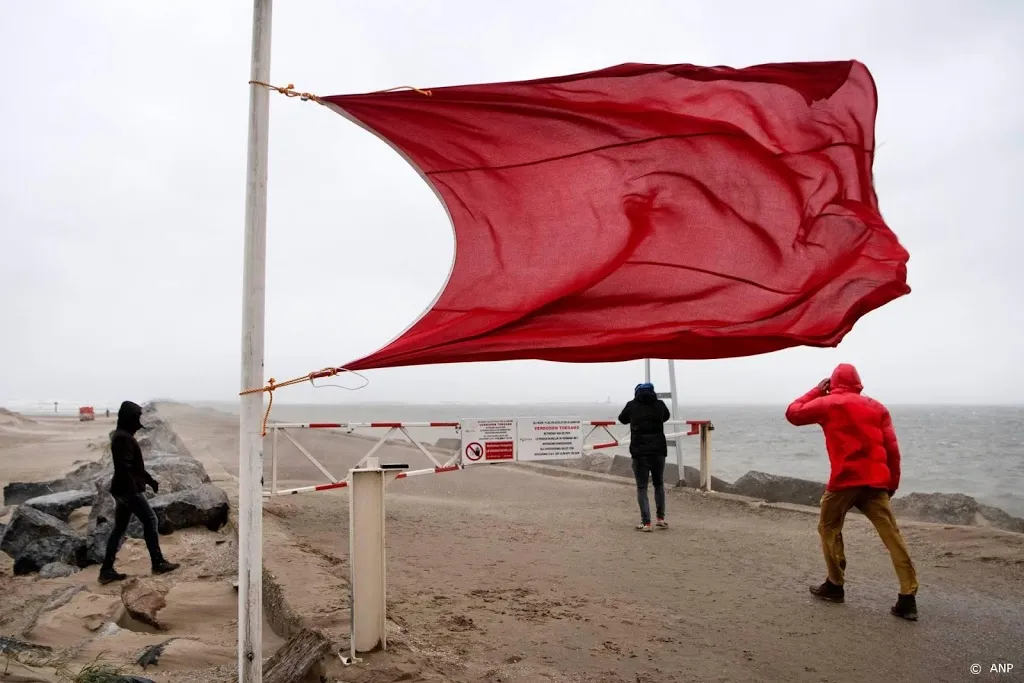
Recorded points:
(647,370)
(367,559)
(675,416)
(705,457)
(250,443)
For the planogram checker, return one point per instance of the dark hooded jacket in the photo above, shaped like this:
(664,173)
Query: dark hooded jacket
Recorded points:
(130,475)
(646,415)
(859,436)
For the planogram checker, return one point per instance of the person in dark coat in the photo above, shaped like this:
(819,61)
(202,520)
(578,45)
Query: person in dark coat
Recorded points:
(128,487)
(646,416)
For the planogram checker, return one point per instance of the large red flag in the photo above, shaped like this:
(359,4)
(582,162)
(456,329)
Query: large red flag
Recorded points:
(646,211)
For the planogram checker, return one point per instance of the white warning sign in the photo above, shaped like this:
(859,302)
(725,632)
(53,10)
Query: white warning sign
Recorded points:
(488,441)
(550,439)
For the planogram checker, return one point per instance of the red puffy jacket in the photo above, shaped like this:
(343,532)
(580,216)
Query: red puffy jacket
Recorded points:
(859,436)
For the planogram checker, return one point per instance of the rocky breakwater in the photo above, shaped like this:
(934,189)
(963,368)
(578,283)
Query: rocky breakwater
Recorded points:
(38,532)
(941,508)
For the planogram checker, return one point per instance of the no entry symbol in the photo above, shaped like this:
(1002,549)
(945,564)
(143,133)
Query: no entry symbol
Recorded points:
(474,451)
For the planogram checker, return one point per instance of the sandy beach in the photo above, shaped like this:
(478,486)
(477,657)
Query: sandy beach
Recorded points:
(201,614)
(509,573)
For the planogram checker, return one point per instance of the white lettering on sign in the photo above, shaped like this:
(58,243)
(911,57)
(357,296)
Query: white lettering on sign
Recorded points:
(550,439)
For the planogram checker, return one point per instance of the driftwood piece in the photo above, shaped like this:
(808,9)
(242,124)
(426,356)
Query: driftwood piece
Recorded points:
(292,662)
(151,655)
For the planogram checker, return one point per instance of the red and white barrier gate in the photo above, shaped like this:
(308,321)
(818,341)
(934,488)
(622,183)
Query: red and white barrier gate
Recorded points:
(486,441)
(703,428)
(333,482)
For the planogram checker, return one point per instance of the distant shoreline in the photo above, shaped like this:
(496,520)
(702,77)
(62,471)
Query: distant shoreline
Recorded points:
(18,406)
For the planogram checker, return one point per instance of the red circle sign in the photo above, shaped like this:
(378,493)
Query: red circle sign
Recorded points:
(474,451)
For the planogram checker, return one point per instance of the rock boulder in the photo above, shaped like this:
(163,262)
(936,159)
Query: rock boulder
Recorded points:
(204,506)
(57,570)
(79,479)
(176,472)
(143,599)
(953,508)
(61,505)
(35,539)
(17,492)
(158,437)
(775,488)
(691,475)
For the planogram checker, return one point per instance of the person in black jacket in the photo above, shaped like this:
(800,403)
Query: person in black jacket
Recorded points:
(646,416)
(127,487)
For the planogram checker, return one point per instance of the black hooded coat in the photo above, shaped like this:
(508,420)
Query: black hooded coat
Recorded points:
(130,475)
(646,415)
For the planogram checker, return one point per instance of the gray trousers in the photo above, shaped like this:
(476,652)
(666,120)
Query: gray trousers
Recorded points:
(650,467)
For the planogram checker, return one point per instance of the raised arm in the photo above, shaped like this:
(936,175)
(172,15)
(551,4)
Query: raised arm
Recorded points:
(624,415)
(665,414)
(809,408)
(892,452)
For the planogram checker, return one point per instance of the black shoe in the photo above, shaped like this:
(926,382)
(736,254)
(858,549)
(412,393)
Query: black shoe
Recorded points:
(110,576)
(905,607)
(829,592)
(164,567)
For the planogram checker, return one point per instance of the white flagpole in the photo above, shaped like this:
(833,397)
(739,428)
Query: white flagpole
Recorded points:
(250,451)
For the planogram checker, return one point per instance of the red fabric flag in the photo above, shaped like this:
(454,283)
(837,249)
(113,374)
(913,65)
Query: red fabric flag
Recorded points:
(646,211)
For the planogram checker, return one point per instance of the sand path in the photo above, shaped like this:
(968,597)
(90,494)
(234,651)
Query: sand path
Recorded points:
(505,573)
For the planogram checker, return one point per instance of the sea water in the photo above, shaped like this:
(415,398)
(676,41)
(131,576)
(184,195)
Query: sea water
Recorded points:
(974,450)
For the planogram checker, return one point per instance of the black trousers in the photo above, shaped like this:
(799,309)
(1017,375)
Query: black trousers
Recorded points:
(128,505)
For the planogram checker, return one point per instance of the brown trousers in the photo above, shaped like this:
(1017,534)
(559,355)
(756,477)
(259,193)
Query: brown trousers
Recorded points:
(874,503)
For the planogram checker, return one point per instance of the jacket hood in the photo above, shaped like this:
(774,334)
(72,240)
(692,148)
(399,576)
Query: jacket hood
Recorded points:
(645,393)
(129,417)
(845,379)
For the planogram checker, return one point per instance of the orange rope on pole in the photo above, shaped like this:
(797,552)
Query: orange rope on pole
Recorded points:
(272,384)
(290,91)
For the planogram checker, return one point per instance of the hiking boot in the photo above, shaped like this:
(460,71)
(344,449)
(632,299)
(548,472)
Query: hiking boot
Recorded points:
(829,592)
(164,567)
(110,576)
(644,526)
(905,607)
(661,524)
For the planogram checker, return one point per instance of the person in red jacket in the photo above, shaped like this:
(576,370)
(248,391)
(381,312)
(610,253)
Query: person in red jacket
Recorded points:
(865,460)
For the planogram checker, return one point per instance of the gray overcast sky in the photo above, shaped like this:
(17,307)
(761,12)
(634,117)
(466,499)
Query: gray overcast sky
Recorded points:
(122,165)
